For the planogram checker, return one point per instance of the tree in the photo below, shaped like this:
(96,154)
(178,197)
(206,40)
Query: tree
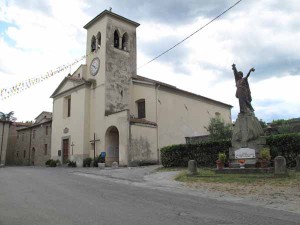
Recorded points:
(263,123)
(218,130)
(7,117)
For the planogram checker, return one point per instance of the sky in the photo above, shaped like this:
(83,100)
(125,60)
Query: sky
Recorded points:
(38,36)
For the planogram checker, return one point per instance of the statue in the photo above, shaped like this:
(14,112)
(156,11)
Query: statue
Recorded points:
(243,92)
(247,140)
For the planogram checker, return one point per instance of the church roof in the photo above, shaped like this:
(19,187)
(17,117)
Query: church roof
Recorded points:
(79,81)
(106,12)
(174,88)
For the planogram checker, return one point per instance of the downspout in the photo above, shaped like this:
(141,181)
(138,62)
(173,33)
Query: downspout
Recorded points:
(157,141)
(29,145)
(2,141)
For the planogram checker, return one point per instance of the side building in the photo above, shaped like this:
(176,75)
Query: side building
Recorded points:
(34,142)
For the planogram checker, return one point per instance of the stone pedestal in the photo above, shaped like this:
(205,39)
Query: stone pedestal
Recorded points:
(246,137)
(298,163)
(192,167)
(280,166)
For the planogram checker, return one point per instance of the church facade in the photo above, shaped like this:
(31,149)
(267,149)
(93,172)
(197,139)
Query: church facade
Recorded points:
(104,106)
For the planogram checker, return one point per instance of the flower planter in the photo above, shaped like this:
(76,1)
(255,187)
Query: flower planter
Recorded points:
(220,165)
(101,166)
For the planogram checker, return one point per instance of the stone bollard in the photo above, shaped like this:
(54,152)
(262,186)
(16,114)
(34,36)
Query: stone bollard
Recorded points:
(298,163)
(192,167)
(114,165)
(280,166)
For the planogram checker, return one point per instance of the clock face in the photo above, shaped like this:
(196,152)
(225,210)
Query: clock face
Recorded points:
(95,65)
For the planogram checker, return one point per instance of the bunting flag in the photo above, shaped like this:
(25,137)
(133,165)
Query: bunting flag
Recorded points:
(6,93)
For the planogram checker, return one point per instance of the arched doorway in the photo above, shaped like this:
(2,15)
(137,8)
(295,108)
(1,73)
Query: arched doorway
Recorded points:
(32,156)
(112,145)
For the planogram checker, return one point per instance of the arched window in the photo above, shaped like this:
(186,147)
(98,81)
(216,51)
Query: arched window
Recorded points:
(125,42)
(98,40)
(116,39)
(93,44)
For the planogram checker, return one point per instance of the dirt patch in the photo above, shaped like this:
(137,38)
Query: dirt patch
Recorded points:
(284,197)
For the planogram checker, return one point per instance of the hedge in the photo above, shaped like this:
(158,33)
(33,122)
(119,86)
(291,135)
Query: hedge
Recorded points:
(286,145)
(205,153)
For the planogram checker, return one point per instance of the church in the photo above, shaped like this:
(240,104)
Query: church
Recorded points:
(104,107)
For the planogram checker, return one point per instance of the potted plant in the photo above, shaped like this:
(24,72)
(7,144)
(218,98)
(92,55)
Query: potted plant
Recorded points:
(264,157)
(101,161)
(221,160)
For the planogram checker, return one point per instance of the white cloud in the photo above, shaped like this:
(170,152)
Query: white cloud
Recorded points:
(255,33)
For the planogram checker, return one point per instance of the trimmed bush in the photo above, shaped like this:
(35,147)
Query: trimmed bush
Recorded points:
(286,145)
(72,164)
(205,153)
(87,162)
(52,163)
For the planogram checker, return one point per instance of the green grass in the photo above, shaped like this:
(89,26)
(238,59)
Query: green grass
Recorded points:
(208,176)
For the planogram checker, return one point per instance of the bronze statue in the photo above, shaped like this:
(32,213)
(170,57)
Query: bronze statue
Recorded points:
(243,92)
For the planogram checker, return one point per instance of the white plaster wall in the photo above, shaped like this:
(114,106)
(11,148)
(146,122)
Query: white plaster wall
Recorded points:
(76,124)
(143,143)
(146,92)
(4,130)
(179,114)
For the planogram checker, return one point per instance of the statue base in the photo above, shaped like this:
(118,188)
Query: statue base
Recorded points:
(247,140)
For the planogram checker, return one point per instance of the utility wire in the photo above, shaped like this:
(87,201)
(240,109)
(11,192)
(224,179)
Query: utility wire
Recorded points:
(191,34)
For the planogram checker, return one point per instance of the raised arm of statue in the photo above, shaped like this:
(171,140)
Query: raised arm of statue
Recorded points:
(235,72)
(251,70)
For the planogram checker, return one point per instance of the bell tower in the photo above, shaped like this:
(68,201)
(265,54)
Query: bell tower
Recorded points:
(111,57)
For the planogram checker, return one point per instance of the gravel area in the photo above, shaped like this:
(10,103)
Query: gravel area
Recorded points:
(285,198)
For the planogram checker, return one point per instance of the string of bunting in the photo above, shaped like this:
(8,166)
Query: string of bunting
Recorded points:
(24,85)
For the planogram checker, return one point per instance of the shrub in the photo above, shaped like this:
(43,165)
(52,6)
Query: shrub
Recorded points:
(205,153)
(47,163)
(286,145)
(72,164)
(87,162)
(52,163)
(265,153)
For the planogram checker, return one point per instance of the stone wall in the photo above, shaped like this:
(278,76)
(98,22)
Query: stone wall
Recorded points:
(31,145)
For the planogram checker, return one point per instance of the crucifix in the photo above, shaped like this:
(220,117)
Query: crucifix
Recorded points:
(72,145)
(94,144)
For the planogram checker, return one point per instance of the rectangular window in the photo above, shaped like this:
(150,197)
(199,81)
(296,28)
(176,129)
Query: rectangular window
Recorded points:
(24,154)
(141,109)
(22,136)
(46,130)
(33,134)
(69,108)
(46,149)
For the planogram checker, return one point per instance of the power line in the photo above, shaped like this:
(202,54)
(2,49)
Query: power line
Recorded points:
(191,34)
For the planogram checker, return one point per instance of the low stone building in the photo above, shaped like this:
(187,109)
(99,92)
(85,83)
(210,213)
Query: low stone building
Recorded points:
(12,141)
(33,146)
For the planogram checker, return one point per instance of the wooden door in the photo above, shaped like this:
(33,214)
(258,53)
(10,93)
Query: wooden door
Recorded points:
(65,150)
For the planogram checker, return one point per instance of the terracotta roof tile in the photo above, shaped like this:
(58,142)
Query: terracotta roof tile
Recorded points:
(142,121)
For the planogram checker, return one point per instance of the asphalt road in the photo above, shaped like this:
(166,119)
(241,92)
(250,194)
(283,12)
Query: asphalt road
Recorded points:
(59,196)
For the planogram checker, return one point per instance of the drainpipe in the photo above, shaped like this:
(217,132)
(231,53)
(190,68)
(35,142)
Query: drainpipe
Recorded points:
(30,145)
(2,141)
(156,94)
